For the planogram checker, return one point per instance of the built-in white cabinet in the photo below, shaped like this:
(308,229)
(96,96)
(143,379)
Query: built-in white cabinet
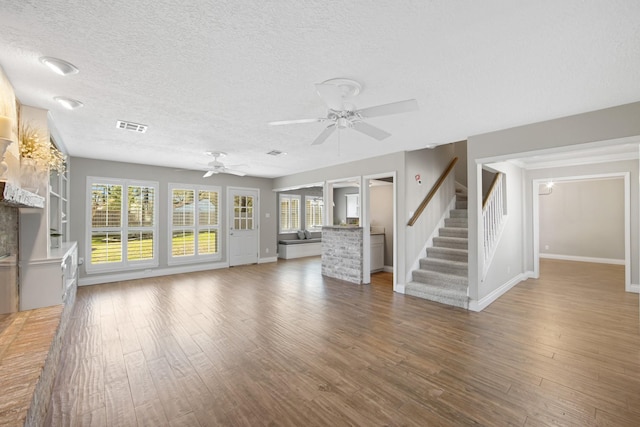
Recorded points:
(46,281)
(377,252)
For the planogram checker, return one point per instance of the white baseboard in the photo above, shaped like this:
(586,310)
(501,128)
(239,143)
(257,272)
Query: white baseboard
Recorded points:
(398,287)
(266,260)
(154,272)
(388,269)
(634,288)
(479,305)
(583,259)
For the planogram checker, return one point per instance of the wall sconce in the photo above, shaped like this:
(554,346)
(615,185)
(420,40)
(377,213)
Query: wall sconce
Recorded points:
(549,189)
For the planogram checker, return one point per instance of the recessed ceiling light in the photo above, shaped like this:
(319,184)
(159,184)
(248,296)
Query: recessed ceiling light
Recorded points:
(59,66)
(68,103)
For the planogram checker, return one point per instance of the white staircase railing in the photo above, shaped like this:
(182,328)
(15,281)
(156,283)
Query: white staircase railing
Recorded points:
(493,217)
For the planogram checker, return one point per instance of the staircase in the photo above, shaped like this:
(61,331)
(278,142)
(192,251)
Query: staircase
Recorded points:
(443,274)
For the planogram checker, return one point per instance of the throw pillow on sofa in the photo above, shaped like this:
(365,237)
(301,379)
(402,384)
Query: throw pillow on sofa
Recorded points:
(307,234)
(300,234)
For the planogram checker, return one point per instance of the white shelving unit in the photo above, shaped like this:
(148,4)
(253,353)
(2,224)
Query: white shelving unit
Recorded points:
(59,207)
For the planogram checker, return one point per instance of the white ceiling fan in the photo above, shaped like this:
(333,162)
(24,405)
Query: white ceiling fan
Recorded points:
(343,115)
(216,166)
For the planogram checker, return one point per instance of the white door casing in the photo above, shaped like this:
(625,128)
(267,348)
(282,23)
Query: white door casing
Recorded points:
(244,213)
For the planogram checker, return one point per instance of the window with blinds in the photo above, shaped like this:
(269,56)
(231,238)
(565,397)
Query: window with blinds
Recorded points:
(289,213)
(123,226)
(313,207)
(195,216)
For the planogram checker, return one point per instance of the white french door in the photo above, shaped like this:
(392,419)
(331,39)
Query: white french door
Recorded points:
(243,226)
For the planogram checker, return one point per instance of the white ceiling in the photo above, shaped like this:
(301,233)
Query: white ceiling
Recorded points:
(209,75)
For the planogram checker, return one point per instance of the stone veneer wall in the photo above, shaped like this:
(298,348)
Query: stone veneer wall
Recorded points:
(8,230)
(41,399)
(9,245)
(342,253)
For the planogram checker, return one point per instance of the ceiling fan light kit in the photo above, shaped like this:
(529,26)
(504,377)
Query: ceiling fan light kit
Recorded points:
(216,166)
(343,115)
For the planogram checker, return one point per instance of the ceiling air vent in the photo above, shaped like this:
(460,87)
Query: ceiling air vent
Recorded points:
(275,153)
(134,127)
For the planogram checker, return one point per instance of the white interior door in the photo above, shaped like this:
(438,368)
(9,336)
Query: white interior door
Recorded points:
(243,226)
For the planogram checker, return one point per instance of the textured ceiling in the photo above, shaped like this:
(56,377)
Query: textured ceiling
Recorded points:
(207,75)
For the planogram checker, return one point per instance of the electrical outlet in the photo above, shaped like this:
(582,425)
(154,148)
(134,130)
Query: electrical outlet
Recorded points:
(266,250)
(546,247)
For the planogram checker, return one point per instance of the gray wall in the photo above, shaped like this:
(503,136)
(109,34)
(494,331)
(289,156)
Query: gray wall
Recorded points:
(583,219)
(81,168)
(620,167)
(460,151)
(429,164)
(598,128)
(340,201)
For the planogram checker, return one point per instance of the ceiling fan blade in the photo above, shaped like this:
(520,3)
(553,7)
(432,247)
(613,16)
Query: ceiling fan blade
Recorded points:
(388,109)
(372,131)
(234,172)
(294,122)
(332,95)
(324,135)
(208,174)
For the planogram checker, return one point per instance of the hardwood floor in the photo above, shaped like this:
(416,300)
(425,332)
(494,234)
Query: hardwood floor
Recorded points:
(278,344)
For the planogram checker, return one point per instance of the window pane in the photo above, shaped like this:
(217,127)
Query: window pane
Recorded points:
(208,242)
(106,247)
(284,214)
(140,206)
(295,214)
(140,245)
(183,207)
(106,205)
(207,208)
(183,243)
(313,212)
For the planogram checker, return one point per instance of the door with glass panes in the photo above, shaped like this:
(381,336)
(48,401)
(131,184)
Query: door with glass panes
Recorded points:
(243,226)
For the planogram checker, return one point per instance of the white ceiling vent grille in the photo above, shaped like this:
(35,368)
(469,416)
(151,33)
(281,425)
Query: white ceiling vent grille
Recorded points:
(275,153)
(134,127)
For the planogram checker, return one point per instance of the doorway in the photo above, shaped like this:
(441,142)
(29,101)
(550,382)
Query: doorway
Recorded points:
(546,249)
(244,212)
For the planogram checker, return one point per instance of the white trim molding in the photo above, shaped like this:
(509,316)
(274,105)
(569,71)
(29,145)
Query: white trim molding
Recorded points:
(583,259)
(267,260)
(479,305)
(149,272)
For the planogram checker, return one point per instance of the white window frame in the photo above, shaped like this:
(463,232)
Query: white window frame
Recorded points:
(188,259)
(317,200)
(124,228)
(290,229)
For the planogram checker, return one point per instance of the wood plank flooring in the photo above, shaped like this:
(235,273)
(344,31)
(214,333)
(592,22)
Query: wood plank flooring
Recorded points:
(278,344)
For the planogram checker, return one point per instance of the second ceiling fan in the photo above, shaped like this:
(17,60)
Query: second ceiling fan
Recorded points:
(342,115)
